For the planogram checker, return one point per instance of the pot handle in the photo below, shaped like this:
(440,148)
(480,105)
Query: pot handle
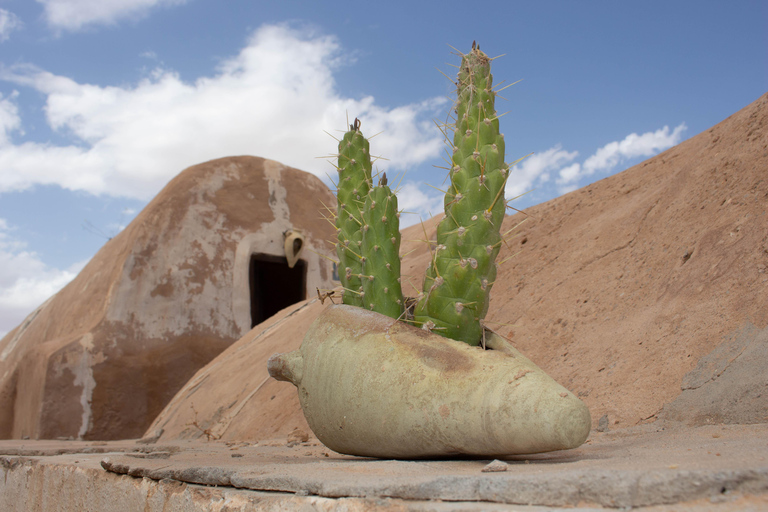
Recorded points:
(286,367)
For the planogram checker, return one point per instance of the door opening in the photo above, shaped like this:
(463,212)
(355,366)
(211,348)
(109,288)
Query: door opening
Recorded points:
(274,286)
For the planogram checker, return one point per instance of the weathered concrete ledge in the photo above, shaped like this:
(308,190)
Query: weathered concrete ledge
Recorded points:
(33,484)
(723,467)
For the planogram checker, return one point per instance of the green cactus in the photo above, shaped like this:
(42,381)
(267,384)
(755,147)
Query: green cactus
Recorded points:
(459,279)
(381,252)
(354,166)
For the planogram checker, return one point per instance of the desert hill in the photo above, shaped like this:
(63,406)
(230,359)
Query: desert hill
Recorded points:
(619,290)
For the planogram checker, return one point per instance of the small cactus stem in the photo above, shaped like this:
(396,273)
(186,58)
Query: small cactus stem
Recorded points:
(381,250)
(469,233)
(354,166)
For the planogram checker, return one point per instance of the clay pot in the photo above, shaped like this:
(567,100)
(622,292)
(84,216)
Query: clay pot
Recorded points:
(373,386)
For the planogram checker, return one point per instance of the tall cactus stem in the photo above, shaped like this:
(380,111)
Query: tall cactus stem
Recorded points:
(459,280)
(354,166)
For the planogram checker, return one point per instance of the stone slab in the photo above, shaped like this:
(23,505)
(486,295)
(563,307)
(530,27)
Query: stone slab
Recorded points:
(723,467)
(728,385)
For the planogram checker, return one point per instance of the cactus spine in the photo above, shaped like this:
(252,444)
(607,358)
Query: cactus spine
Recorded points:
(381,252)
(459,279)
(354,166)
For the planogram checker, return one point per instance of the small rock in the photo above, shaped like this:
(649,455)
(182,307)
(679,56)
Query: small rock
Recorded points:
(297,436)
(236,455)
(113,467)
(495,466)
(150,455)
(602,424)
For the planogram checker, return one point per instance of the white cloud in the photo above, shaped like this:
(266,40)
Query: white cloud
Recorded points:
(9,118)
(25,281)
(535,170)
(614,153)
(417,202)
(8,23)
(405,137)
(73,15)
(273,99)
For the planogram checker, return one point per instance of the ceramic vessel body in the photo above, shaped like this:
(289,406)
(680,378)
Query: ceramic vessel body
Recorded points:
(373,386)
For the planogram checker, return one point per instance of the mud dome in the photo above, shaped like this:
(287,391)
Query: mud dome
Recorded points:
(187,278)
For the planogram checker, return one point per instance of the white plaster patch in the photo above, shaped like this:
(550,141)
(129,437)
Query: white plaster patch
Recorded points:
(84,377)
(277,195)
(194,297)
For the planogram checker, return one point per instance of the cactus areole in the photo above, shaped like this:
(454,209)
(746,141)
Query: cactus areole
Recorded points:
(463,268)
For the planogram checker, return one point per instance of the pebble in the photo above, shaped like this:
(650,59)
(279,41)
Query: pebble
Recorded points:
(495,467)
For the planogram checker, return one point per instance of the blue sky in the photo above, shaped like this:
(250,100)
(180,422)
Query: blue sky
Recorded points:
(102,102)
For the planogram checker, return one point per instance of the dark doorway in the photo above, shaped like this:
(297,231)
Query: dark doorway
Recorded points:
(274,286)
